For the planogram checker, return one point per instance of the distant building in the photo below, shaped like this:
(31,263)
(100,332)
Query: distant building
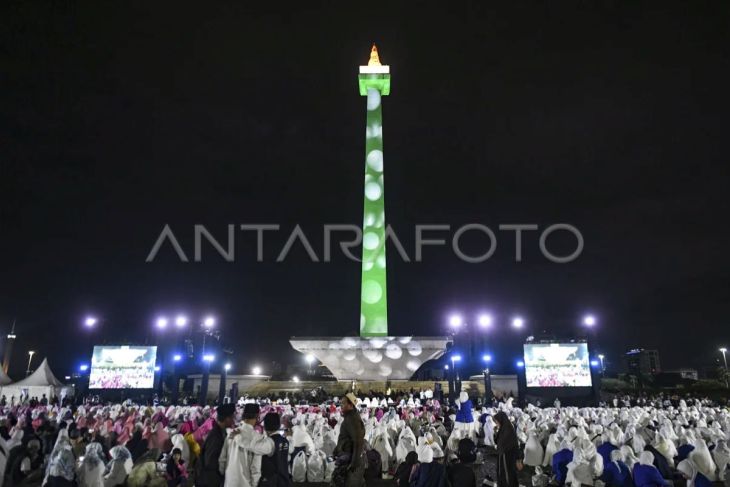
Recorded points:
(641,361)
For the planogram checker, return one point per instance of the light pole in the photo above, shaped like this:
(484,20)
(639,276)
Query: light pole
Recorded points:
(222,388)
(455,375)
(723,350)
(603,367)
(30,359)
(175,382)
(207,359)
(487,380)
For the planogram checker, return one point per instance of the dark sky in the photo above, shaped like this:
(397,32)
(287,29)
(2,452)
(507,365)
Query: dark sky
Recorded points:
(119,118)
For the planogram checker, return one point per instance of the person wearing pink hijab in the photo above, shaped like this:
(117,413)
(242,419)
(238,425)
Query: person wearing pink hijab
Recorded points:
(203,431)
(159,438)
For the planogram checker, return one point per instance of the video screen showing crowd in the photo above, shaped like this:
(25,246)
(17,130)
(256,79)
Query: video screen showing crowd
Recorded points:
(401,439)
(557,365)
(122,367)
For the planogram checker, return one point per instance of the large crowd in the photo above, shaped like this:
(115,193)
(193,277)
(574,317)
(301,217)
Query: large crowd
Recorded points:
(411,440)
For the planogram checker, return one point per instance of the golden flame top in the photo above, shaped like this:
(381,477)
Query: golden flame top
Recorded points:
(374,59)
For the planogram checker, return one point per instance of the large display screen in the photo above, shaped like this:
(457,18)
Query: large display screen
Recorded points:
(122,367)
(557,365)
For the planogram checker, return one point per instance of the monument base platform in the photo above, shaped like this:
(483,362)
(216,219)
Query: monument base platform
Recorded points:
(373,358)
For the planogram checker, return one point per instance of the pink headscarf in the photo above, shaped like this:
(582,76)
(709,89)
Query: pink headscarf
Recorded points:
(159,437)
(203,431)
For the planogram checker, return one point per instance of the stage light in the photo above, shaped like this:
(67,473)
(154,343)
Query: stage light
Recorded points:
(181,321)
(310,359)
(446,367)
(157,368)
(723,350)
(256,370)
(83,367)
(594,363)
(90,321)
(177,357)
(209,357)
(227,366)
(601,356)
(487,358)
(485,320)
(455,321)
(518,322)
(520,363)
(162,323)
(209,322)
(68,377)
(295,379)
(589,320)
(456,358)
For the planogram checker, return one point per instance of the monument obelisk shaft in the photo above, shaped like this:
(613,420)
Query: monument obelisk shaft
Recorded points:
(374,83)
(374,355)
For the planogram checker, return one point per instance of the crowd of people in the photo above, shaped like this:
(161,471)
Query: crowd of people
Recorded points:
(559,376)
(412,440)
(110,377)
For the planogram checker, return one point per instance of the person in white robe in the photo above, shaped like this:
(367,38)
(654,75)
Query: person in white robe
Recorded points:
(240,459)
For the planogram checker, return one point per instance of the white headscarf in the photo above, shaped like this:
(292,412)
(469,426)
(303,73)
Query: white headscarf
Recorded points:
(703,460)
(425,453)
(721,455)
(689,469)
(617,456)
(646,458)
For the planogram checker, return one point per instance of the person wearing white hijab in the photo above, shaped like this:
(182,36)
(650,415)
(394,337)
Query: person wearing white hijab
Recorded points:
(703,460)
(721,455)
(91,470)
(628,455)
(616,473)
(552,447)
(579,470)
(689,471)
(646,474)
(666,447)
(534,452)
(406,444)
(119,467)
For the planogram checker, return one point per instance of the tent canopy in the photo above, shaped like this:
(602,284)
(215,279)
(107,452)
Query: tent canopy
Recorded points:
(42,377)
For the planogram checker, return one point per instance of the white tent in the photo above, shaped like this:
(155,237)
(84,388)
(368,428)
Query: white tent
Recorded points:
(40,382)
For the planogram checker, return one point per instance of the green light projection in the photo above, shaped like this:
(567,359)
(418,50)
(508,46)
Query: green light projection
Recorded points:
(374,299)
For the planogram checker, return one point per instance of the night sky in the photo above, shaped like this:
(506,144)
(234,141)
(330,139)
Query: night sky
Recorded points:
(119,118)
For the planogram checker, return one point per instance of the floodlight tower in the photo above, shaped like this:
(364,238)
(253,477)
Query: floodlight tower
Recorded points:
(374,82)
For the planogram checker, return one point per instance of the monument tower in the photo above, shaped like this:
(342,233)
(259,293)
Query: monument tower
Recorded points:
(374,355)
(374,81)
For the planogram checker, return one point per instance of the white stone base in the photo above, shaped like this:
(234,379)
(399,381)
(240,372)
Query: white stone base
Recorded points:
(376,358)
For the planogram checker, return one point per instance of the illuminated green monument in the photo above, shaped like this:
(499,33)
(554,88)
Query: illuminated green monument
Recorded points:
(374,355)
(374,80)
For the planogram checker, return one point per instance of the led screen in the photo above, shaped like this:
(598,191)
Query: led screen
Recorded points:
(557,365)
(122,367)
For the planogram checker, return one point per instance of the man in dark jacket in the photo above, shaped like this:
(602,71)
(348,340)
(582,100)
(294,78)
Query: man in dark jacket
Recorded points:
(351,442)
(208,474)
(275,468)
